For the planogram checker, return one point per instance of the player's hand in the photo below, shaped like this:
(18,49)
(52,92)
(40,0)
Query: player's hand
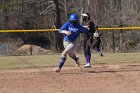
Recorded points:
(87,27)
(68,33)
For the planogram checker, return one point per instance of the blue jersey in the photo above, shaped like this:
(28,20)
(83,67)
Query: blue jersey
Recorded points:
(75,31)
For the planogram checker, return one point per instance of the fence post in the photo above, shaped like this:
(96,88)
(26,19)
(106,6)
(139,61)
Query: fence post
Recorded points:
(113,41)
(121,40)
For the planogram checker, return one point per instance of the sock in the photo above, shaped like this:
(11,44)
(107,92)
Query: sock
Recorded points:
(88,59)
(97,49)
(74,58)
(62,61)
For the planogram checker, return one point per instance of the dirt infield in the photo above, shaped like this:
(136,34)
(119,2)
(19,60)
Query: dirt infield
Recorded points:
(101,78)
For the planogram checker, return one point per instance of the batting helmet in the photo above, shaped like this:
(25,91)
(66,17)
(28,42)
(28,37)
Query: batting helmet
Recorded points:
(73,17)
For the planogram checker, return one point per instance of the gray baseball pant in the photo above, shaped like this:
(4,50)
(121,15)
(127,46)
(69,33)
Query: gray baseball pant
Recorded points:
(69,49)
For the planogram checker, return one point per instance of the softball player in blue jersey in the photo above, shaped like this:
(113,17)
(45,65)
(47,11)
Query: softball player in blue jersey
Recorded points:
(71,31)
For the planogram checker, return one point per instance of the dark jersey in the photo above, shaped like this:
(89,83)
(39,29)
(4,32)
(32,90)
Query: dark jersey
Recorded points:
(91,27)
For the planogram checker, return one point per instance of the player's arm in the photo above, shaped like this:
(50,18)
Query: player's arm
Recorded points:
(84,30)
(87,27)
(66,32)
(63,29)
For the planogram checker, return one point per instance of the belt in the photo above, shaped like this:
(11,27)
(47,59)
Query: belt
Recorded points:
(69,41)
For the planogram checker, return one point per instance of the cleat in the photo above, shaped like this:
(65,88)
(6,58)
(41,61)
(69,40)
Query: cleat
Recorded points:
(57,70)
(87,65)
(77,62)
(101,54)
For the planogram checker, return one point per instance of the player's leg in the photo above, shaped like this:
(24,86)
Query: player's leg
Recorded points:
(84,46)
(63,56)
(75,58)
(71,47)
(88,53)
(88,57)
(62,61)
(99,50)
(96,46)
(85,49)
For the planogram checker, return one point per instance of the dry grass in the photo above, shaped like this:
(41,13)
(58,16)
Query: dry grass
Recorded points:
(10,62)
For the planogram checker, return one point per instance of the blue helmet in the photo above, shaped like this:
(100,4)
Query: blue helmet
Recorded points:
(73,17)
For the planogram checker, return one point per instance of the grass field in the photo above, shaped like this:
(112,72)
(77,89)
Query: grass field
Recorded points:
(113,73)
(10,62)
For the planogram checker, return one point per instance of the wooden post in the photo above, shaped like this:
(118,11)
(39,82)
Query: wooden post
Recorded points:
(113,42)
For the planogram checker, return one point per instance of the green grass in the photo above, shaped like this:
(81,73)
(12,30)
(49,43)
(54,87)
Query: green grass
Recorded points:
(10,62)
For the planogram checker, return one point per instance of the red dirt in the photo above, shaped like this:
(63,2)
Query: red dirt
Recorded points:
(101,78)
